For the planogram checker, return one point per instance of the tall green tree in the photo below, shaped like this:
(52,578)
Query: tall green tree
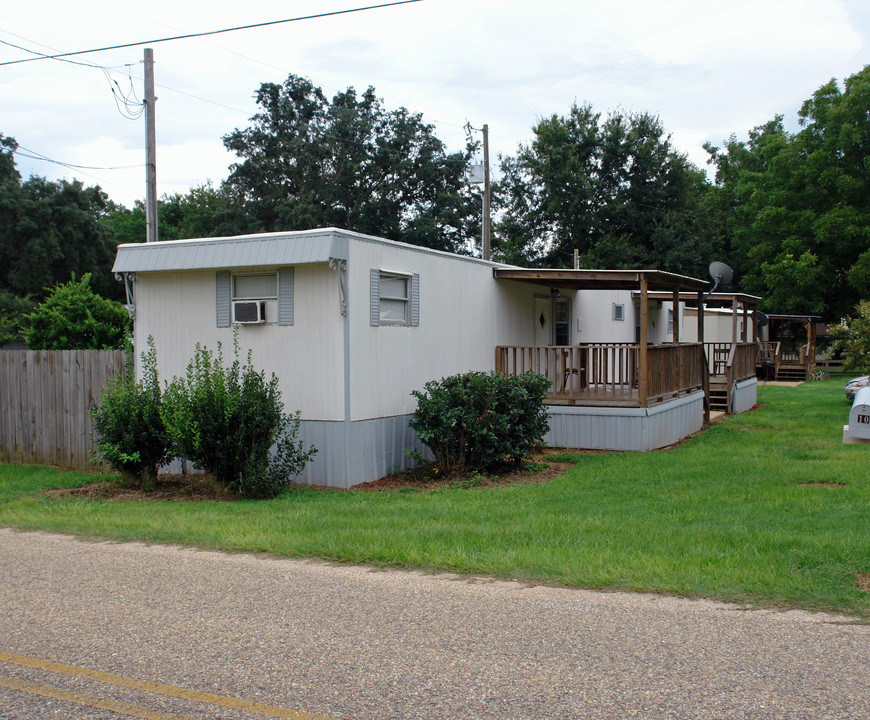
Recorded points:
(50,230)
(612,187)
(308,162)
(795,207)
(203,211)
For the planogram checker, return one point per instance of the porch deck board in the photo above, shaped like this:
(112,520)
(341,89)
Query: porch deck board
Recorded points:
(609,396)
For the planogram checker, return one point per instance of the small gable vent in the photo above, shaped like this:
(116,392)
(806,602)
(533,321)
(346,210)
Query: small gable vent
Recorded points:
(249,312)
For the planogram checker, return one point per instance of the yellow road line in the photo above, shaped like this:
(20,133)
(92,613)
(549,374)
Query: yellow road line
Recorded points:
(125,708)
(161,689)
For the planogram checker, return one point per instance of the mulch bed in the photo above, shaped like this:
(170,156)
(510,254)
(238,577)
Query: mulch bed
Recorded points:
(196,487)
(185,488)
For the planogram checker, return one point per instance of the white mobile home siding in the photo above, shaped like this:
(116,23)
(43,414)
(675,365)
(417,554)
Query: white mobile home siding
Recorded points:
(594,323)
(177,308)
(464,315)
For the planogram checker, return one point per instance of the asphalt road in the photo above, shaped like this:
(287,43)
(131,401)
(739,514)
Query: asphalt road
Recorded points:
(101,630)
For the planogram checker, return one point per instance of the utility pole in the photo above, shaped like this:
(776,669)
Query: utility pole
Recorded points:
(485,192)
(150,151)
(475,178)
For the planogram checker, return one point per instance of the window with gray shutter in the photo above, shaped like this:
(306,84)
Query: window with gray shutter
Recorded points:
(395,299)
(285,296)
(415,300)
(223,282)
(375,311)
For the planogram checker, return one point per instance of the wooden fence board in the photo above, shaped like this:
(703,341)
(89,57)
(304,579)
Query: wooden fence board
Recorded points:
(45,396)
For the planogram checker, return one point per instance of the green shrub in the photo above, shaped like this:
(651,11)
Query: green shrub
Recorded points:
(14,311)
(74,317)
(130,434)
(226,419)
(851,336)
(476,421)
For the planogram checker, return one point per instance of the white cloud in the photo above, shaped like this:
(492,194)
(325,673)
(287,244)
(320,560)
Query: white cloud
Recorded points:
(708,68)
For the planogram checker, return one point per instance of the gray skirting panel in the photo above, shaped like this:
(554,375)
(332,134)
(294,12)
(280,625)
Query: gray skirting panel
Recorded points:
(377,447)
(612,428)
(745,396)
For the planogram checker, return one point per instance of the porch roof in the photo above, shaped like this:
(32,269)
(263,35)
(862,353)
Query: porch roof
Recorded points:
(603,279)
(717,299)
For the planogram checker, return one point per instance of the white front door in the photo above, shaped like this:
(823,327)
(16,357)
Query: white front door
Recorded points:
(543,320)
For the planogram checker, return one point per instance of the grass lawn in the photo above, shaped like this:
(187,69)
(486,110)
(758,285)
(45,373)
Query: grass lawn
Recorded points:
(767,508)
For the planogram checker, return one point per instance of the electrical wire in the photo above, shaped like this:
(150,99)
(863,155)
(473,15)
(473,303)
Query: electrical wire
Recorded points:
(34,155)
(60,56)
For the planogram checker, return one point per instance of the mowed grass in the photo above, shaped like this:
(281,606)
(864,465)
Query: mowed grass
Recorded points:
(767,508)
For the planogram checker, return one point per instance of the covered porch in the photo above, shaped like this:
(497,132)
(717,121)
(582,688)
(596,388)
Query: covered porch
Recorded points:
(730,339)
(607,374)
(788,352)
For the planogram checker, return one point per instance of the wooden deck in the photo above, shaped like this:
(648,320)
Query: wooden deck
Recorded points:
(615,375)
(785,361)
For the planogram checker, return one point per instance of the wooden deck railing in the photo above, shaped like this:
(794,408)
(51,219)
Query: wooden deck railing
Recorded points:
(741,362)
(717,356)
(786,356)
(674,369)
(607,374)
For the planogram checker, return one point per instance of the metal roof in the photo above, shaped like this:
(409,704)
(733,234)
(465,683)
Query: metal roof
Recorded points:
(285,248)
(603,279)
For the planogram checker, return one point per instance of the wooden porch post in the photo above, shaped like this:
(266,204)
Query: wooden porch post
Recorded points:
(677,315)
(643,354)
(705,371)
(745,332)
(734,320)
(755,323)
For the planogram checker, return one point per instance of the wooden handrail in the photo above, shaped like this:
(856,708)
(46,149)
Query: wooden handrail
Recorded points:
(608,372)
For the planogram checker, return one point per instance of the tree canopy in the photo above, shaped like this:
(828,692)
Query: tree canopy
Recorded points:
(309,162)
(795,207)
(612,187)
(50,230)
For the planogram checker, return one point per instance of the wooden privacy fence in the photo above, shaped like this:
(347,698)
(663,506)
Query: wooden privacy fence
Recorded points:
(44,400)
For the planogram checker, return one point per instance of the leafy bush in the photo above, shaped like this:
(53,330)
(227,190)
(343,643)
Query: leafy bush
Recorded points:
(851,336)
(74,317)
(226,419)
(130,433)
(476,420)
(13,316)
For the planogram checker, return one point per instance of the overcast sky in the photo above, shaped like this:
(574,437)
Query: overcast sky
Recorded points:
(708,68)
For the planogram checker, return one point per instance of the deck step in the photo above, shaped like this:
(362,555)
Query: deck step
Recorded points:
(719,398)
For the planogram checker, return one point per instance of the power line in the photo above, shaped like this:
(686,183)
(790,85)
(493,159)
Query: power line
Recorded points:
(210,32)
(34,155)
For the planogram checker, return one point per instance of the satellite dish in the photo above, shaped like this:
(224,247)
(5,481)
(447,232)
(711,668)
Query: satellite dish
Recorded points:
(761,319)
(721,273)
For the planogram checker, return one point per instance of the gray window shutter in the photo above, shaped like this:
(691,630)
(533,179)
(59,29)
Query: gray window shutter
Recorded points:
(222,298)
(375,318)
(285,296)
(415,300)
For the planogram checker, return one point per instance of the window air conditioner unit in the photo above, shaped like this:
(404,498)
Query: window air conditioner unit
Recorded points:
(249,312)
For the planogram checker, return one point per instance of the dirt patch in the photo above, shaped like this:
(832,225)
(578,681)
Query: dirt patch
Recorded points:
(831,485)
(863,582)
(538,470)
(184,488)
